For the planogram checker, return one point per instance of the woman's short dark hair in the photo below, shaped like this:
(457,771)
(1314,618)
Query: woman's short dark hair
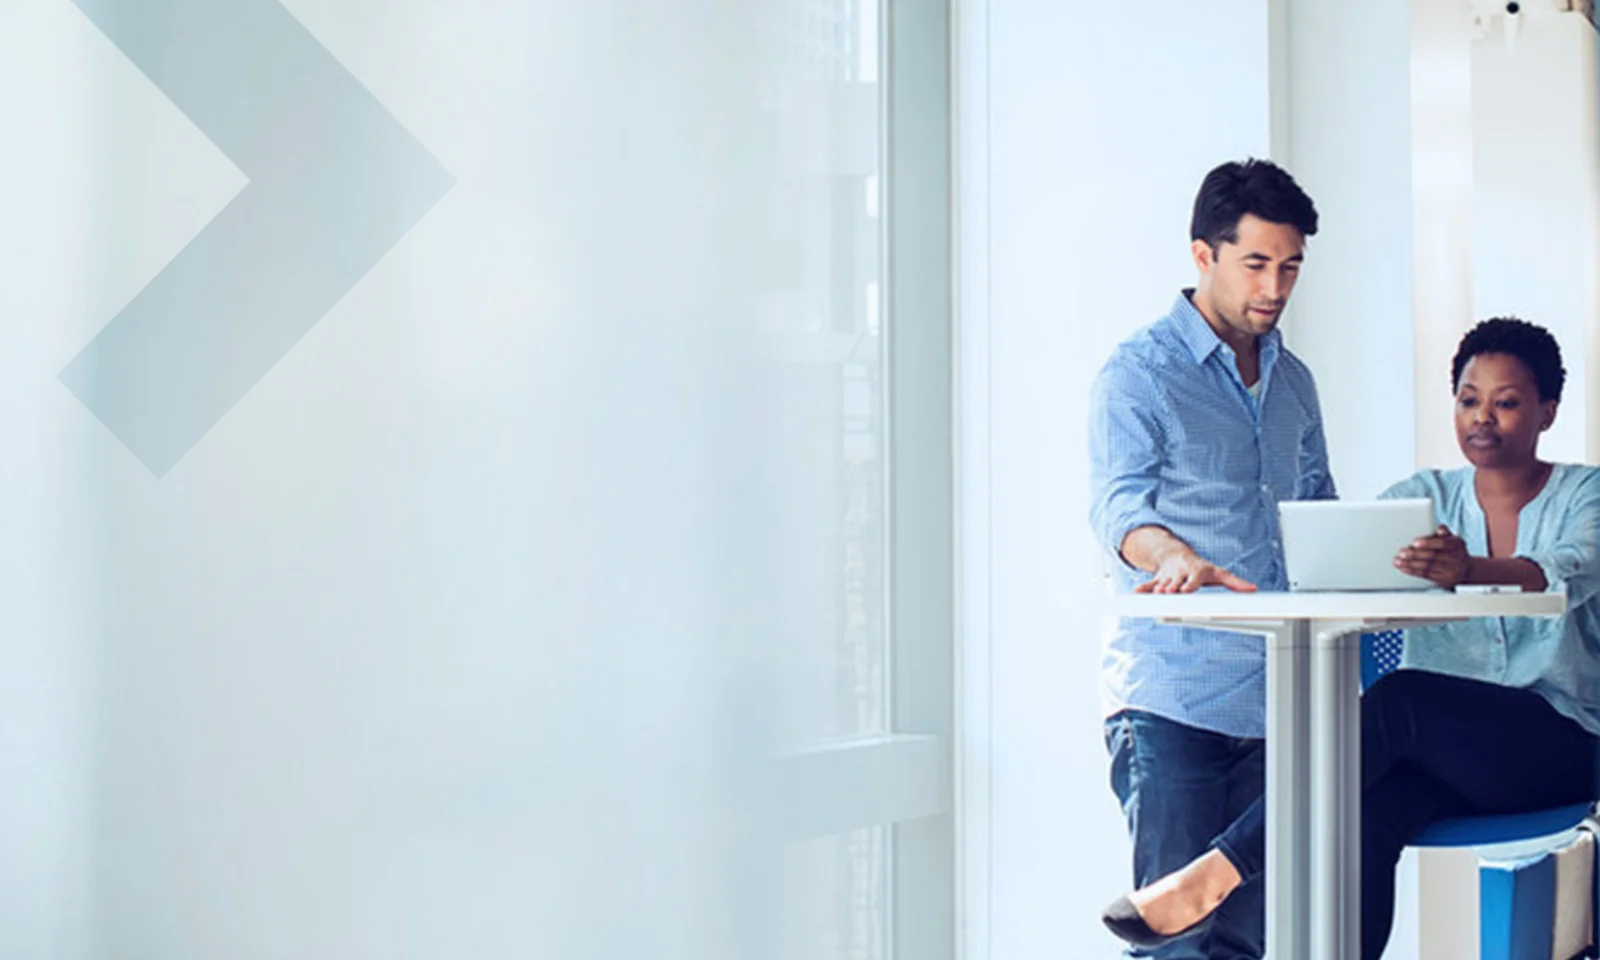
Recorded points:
(1258,187)
(1528,342)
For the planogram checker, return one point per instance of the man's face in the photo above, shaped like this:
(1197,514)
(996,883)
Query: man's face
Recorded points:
(1247,283)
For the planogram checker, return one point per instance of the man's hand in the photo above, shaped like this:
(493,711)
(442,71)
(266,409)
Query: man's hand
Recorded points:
(1174,565)
(1184,572)
(1441,558)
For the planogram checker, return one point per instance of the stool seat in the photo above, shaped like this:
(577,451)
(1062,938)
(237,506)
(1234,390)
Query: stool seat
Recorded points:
(1506,828)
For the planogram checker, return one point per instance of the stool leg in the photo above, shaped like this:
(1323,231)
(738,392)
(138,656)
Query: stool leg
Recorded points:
(1447,904)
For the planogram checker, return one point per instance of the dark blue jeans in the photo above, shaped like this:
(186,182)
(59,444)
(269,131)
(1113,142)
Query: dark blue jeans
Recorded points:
(1180,787)
(1434,746)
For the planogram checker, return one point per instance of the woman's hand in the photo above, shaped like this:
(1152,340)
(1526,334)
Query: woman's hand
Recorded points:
(1441,558)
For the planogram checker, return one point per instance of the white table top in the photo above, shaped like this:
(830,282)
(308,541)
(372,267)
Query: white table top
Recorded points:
(1398,605)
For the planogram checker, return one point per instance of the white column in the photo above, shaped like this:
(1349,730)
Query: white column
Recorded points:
(1536,196)
(1340,124)
(1442,177)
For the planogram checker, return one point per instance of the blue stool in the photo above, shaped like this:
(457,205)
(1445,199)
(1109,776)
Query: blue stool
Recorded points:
(1501,906)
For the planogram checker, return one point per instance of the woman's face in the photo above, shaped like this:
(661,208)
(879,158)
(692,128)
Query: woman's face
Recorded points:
(1499,413)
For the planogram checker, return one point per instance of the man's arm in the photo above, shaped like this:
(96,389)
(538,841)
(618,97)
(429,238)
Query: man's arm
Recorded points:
(1125,458)
(1148,547)
(1175,565)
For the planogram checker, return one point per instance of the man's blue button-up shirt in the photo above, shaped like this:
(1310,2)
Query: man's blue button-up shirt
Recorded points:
(1176,440)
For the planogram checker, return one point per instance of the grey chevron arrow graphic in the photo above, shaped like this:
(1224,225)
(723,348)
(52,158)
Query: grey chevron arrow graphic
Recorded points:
(334,182)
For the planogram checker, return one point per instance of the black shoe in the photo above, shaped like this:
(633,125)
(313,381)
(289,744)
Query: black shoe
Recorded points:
(1123,919)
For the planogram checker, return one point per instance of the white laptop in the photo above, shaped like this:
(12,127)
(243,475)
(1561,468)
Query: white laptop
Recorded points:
(1350,544)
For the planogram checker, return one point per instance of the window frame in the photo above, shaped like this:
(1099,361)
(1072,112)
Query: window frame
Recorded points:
(904,779)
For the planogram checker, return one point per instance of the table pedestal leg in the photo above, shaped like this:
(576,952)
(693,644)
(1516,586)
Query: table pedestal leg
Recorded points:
(1335,793)
(1289,792)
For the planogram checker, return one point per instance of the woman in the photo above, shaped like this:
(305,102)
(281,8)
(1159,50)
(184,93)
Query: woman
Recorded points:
(1493,715)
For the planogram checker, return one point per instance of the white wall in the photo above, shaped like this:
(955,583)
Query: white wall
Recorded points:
(1348,121)
(1536,210)
(1101,122)
(1442,207)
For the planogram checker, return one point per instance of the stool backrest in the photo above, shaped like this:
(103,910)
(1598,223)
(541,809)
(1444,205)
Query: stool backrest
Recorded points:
(1380,653)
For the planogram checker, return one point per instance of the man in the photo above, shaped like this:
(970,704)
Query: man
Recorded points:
(1200,424)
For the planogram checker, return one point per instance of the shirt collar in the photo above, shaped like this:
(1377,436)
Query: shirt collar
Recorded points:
(1196,334)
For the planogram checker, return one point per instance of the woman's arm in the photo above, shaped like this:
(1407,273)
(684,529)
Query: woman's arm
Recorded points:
(1566,558)
(1443,558)
(1518,570)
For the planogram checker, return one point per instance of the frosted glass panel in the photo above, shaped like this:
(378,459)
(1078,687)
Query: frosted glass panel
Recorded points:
(836,898)
(824,317)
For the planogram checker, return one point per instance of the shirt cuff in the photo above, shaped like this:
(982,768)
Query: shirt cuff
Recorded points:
(1554,582)
(1126,525)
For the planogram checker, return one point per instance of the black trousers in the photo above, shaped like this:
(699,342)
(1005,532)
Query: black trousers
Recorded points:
(1435,746)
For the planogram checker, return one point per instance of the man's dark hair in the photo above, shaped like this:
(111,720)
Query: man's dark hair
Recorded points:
(1528,342)
(1258,187)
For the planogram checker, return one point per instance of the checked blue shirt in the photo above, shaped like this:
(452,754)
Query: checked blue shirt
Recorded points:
(1176,440)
